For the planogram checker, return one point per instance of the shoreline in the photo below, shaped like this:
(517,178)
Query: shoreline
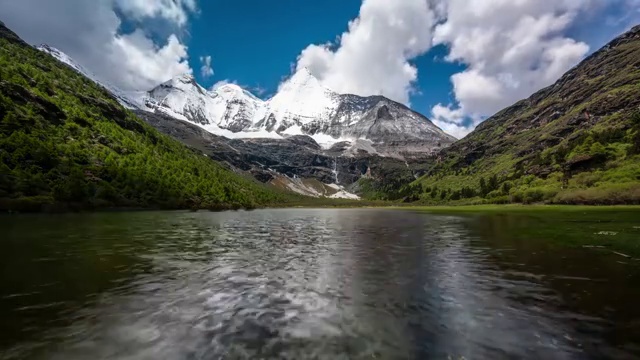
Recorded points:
(434,209)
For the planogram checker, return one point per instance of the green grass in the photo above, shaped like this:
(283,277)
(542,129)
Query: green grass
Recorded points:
(66,144)
(611,229)
(518,208)
(577,142)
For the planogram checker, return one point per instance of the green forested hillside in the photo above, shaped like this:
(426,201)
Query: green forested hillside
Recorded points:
(575,142)
(66,143)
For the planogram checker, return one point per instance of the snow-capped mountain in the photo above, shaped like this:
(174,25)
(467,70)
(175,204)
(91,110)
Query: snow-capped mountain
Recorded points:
(226,111)
(300,100)
(122,97)
(302,106)
(307,138)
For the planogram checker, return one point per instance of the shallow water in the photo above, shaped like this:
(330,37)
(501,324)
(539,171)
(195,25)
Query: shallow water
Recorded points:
(302,283)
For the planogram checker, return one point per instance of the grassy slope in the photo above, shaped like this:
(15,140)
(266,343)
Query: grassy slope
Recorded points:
(66,143)
(518,208)
(602,228)
(575,142)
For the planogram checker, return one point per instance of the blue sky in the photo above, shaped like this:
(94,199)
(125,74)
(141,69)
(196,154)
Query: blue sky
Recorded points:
(456,61)
(257,48)
(255,43)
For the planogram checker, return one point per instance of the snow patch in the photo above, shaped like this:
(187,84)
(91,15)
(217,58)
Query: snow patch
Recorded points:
(313,188)
(342,194)
(294,130)
(258,134)
(327,141)
(302,99)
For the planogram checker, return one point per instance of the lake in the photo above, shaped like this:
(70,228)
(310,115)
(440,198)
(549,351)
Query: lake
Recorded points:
(319,284)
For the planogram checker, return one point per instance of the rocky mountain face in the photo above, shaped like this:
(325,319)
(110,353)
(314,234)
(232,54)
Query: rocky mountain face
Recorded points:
(578,134)
(10,36)
(304,131)
(283,161)
(603,84)
(302,106)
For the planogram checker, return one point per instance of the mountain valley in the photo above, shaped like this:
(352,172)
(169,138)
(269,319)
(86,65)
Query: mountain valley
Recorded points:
(573,142)
(193,180)
(304,133)
(67,144)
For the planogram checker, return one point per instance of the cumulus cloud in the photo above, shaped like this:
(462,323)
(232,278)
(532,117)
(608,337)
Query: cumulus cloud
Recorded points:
(206,69)
(88,31)
(144,64)
(176,11)
(373,56)
(452,121)
(511,49)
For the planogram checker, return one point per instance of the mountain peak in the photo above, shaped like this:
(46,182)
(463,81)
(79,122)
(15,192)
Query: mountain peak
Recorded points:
(301,79)
(47,47)
(185,82)
(186,78)
(229,87)
(232,90)
(305,70)
(61,56)
(57,53)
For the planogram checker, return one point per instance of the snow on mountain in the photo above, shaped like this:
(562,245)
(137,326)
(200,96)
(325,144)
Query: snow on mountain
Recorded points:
(301,100)
(228,111)
(122,97)
(302,106)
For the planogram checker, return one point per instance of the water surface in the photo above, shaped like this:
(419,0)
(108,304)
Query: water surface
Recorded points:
(318,284)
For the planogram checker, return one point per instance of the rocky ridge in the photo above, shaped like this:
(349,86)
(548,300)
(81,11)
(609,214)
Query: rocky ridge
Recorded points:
(302,106)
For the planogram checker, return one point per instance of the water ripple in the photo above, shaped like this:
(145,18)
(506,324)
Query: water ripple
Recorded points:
(291,284)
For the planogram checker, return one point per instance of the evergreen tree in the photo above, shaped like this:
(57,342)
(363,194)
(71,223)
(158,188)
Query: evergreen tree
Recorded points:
(483,187)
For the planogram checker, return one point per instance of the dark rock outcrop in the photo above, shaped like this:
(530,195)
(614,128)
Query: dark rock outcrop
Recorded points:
(6,33)
(295,156)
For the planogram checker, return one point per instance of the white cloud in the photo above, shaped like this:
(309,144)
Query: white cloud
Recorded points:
(630,15)
(176,11)
(456,130)
(451,120)
(143,64)
(206,69)
(448,114)
(511,48)
(372,57)
(88,32)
